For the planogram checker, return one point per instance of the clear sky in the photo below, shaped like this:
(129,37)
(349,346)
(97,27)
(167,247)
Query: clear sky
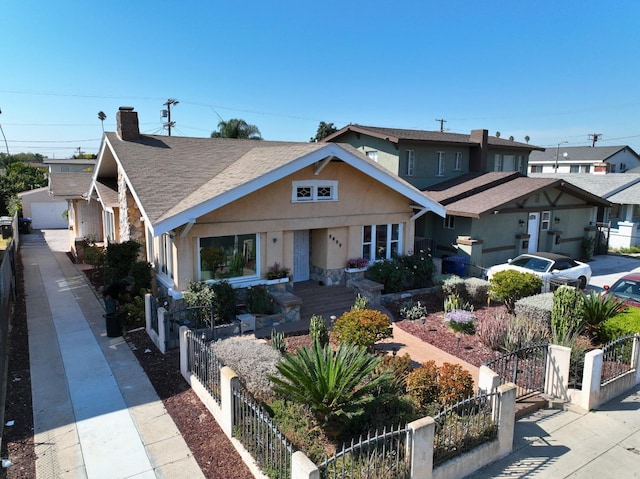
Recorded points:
(552,70)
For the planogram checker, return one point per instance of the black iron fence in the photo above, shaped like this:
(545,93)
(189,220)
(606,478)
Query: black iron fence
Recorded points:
(204,365)
(524,367)
(617,358)
(464,426)
(381,455)
(253,427)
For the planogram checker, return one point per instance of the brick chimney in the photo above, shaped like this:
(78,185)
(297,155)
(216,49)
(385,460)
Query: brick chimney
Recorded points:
(127,120)
(478,154)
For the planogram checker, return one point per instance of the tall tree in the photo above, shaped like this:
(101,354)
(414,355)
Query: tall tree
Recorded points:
(324,130)
(236,128)
(18,177)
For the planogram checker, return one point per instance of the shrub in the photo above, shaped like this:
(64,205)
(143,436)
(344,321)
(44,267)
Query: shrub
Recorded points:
(491,330)
(523,331)
(335,385)
(141,274)
(362,327)
(422,385)
(259,300)
(477,290)
(198,294)
(537,307)
(509,286)
(622,324)
(567,315)
(318,330)
(454,384)
(253,361)
(412,311)
(453,285)
(118,259)
(399,367)
(461,320)
(420,269)
(388,273)
(224,302)
(598,308)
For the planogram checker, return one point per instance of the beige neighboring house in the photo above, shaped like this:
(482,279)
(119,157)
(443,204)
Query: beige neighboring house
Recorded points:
(45,211)
(84,215)
(236,209)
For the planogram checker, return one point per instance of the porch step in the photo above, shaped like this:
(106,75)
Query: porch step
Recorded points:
(325,301)
(530,404)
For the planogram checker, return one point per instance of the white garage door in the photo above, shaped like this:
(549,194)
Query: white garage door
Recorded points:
(49,215)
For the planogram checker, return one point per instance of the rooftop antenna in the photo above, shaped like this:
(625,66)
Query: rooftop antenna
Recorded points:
(167,114)
(442,122)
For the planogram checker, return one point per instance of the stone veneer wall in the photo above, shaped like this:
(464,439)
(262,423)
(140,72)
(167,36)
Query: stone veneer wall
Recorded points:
(131,225)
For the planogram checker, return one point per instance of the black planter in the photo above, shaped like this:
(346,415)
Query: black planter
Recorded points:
(114,324)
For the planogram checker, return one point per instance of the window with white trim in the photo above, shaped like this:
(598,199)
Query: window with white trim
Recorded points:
(381,242)
(574,168)
(314,190)
(411,160)
(546,221)
(373,155)
(449,222)
(457,166)
(536,168)
(440,171)
(228,257)
(165,255)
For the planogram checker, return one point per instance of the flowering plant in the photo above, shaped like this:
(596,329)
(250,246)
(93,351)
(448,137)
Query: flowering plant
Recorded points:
(461,320)
(357,263)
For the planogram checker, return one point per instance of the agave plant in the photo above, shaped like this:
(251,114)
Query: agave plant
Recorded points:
(333,384)
(598,308)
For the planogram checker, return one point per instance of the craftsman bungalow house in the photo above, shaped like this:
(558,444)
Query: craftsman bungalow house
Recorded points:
(494,211)
(209,208)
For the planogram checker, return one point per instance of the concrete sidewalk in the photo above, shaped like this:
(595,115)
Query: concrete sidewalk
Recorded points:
(554,444)
(96,415)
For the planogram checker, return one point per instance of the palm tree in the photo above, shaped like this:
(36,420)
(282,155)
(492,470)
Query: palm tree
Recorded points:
(236,128)
(102,117)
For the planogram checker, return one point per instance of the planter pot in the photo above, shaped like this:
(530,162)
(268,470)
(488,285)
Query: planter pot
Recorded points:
(277,281)
(355,270)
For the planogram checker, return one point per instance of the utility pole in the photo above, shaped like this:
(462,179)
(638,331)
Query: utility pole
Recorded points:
(167,114)
(594,137)
(5,138)
(442,122)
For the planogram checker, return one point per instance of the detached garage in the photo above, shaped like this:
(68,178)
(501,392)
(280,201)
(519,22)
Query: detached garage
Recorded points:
(45,211)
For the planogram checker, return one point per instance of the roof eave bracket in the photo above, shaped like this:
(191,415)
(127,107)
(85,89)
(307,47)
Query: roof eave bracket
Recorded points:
(187,227)
(321,164)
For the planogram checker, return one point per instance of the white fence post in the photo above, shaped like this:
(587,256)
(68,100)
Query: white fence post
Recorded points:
(162,337)
(302,467)
(423,433)
(507,419)
(488,380)
(636,356)
(184,354)
(228,380)
(591,377)
(147,312)
(556,382)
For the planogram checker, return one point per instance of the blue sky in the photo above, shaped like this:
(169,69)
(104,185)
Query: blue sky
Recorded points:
(552,70)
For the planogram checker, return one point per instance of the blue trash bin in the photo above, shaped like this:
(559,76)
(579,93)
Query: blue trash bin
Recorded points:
(455,265)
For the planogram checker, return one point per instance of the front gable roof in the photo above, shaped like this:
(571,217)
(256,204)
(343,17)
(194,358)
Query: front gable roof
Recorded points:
(396,135)
(178,179)
(623,188)
(475,194)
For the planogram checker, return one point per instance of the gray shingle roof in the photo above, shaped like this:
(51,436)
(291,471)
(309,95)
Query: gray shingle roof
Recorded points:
(609,186)
(581,153)
(173,176)
(397,134)
(69,185)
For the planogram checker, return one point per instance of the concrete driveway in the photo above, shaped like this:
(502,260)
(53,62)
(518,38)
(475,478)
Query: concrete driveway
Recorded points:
(607,269)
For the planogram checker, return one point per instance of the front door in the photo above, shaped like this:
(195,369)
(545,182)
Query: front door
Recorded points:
(301,255)
(533,230)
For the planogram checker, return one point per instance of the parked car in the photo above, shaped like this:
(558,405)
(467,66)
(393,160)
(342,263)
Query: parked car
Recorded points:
(626,288)
(554,269)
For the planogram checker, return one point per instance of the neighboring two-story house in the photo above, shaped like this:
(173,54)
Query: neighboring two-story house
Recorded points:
(494,212)
(584,159)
